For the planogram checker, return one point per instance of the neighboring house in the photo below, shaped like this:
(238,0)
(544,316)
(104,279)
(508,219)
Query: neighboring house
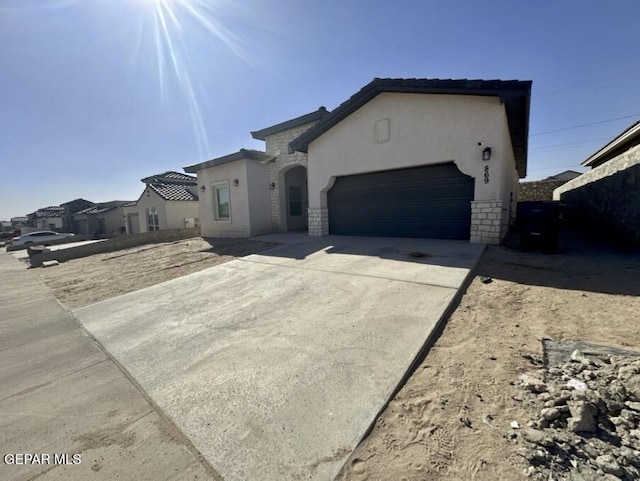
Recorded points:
(46,218)
(401,157)
(105,218)
(169,201)
(19,222)
(70,208)
(565,176)
(542,190)
(609,194)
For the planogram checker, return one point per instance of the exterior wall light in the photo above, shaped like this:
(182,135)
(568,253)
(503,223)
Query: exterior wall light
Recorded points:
(486,153)
(202,188)
(272,186)
(235,182)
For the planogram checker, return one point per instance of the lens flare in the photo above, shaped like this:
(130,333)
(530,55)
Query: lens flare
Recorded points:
(176,25)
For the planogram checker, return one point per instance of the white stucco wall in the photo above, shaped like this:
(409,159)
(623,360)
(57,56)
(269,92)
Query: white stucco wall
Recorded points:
(259,198)
(131,217)
(147,200)
(48,223)
(424,129)
(239,225)
(178,210)
(510,179)
(113,220)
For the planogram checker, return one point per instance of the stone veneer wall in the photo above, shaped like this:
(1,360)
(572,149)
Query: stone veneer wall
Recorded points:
(318,222)
(538,190)
(278,144)
(607,198)
(486,219)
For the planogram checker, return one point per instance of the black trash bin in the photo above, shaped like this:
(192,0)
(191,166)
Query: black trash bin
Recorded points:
(539,225)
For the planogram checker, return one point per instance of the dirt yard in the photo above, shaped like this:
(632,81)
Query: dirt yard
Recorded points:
(81,282)
(452,420)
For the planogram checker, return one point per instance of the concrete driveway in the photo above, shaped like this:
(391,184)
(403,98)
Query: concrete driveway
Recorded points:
(275,365)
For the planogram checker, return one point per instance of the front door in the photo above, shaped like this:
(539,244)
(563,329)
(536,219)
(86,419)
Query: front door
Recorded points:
(296,198)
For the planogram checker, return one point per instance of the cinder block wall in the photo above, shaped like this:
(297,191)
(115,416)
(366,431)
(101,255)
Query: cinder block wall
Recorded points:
(608,196)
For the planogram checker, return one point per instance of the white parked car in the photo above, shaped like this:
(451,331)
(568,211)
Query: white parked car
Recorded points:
(40,237)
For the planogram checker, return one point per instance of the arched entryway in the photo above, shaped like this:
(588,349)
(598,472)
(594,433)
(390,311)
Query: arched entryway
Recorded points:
(294,198)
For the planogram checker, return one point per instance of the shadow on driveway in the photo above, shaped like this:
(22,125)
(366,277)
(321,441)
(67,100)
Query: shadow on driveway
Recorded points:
(581,263)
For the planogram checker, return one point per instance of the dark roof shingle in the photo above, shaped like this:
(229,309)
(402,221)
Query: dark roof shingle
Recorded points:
(173,191)
(171,177)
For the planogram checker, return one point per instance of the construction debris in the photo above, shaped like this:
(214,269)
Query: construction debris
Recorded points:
(589,423)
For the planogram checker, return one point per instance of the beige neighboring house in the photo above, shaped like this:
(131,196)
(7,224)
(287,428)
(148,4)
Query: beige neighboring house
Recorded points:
(45,218)
(102,219)
(401,157)
(169,201)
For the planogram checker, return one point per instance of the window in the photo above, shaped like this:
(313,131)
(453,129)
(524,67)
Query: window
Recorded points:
(295,200)
(222,207)
(153,222)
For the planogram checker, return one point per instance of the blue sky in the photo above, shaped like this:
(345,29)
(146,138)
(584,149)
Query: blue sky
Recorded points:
(97,94)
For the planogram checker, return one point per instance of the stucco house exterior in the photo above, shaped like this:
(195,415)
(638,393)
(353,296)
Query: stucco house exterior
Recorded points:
(169,201)
(45,218)
(402,157)
(70,208)
(608,195)
(104,218)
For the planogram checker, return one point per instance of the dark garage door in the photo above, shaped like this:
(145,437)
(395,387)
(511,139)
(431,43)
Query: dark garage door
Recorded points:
(432,201)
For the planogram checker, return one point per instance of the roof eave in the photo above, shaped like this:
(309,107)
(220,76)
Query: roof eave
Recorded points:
(242,154)
(606,152)
(314,116)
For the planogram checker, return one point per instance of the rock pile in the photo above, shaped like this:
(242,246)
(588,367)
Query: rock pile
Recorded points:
(589,424)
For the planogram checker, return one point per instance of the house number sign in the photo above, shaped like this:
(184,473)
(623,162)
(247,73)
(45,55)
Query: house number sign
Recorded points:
(486,174)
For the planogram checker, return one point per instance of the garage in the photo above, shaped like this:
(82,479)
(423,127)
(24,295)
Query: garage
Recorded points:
(429,201)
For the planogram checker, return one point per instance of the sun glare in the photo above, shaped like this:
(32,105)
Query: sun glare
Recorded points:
(181,30)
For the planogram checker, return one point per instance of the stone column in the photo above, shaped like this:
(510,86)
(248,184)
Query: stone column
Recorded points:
(486,219)
(318,220)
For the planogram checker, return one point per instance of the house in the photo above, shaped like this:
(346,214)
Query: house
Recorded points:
(169,201)
(607,197)
(401,157)
(19,222)
(46,218)
(565,176)
(70,208)
(105,218)
(542,190)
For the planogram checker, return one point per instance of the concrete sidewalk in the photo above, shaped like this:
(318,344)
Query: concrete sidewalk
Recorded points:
(60,394)
(276,364)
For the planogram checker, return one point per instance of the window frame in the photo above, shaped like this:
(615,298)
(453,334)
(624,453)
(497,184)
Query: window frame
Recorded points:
(299,203)
(216,207)
(152,212)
